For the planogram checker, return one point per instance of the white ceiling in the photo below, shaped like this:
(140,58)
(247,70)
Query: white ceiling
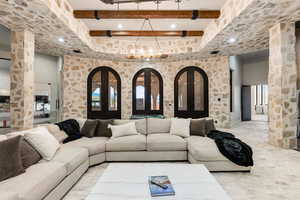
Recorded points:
(158,24)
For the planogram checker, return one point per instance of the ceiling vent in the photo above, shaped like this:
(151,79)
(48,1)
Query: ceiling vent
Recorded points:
(129,1)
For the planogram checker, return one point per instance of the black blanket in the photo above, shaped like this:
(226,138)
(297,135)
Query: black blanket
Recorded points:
(232,148)
(71,128)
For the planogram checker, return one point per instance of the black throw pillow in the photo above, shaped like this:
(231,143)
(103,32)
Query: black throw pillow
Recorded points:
(102,128)
(10,158)
(198,127)
(89,128)
(71,128)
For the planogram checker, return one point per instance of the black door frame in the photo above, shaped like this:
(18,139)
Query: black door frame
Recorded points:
(147,84)
(104,113)
(190,112)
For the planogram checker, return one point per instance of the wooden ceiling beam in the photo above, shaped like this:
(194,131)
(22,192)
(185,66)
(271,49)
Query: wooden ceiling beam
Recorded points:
(146,14)
(103,33)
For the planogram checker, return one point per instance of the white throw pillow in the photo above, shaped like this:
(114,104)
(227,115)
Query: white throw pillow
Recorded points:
(43,141)
(123,130)
(180,127)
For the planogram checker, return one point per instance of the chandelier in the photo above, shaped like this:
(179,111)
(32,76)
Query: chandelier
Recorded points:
(147,54)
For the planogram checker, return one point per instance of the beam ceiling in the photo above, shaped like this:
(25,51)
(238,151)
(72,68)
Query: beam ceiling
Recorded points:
(103,33)
(146,14)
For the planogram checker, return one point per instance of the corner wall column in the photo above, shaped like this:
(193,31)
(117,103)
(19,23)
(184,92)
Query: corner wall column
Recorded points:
(282,86)
(22,79)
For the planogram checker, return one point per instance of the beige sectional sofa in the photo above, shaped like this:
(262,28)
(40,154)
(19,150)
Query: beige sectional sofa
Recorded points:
(51,180)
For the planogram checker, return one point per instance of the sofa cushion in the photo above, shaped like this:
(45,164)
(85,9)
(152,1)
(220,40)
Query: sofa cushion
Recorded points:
(165,142)
(155,125)
(127,143)
(95,145)
(29,155)
(71,157)
(102,128)
(3,137)
(10,157)
(89,128)
(9,195)
(198,127)
(36,182)
(204,149)
(140,124)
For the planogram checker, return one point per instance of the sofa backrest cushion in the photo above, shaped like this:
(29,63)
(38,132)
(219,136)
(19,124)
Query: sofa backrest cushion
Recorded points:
(198,127)
(140,124)
(10,158)
(29,155)
(155,125)
(89,128)
(102,128)
(81,122)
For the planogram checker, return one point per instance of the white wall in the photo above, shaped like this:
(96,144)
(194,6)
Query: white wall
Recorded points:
(236,67)
(255,71)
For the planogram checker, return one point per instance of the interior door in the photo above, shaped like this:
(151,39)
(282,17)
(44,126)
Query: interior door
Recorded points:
(246,103)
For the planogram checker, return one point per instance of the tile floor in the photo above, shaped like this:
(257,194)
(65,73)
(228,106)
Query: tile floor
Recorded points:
(275,176)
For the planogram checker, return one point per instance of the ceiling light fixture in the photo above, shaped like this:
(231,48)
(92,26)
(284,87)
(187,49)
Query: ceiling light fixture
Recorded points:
(173,26)
(232,40)
(61,39)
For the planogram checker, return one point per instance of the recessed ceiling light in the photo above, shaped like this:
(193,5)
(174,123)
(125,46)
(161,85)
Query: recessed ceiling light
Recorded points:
(150,50)
(61,39)
(147,59)
(173,26)
(232,40)
(120,26)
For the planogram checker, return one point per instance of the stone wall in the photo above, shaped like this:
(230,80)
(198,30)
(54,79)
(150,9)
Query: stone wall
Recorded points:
(22,79)
(76,71)
(282,86)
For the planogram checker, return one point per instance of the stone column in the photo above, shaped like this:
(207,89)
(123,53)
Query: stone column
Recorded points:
(282,86)
(22,79)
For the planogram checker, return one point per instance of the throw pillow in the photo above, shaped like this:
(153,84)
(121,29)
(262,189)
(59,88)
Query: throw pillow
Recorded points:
(155,125)
(102,128)
(56,132)
(180,127)
(29,155)
(209,125)
(89,128)
(123,130)
(43,142)
(198,127)
(140,124)
(10,158)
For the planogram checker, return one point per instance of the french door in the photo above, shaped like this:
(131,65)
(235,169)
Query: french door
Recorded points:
(191,93)
(104,94)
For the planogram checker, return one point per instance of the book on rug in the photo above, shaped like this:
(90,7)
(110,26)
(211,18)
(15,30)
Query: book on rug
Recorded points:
(160,186)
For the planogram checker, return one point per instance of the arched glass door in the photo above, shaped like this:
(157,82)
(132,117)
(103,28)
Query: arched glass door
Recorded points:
(191,93)
(104,94)
(147,92)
